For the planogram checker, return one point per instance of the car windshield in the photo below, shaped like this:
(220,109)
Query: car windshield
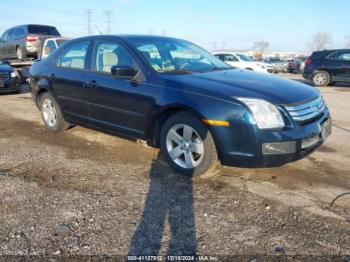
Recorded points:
(175,56)
(245,58)
(43,30)
(275,60)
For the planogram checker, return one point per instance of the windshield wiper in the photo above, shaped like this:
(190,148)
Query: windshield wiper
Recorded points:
(181,72)
(219,68)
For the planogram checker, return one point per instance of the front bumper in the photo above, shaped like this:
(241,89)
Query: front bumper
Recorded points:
(254,148)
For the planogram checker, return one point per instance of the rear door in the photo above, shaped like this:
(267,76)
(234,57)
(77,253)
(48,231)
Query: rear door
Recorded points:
(343,66)
(68,77)
(11,44)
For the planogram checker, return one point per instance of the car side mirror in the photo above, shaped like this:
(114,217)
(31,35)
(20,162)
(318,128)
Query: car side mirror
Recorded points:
(123,72)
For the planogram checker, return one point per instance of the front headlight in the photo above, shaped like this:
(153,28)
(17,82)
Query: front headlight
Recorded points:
(266,115)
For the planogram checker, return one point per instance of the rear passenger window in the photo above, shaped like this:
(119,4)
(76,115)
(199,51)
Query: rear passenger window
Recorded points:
(73,56)
(344,56)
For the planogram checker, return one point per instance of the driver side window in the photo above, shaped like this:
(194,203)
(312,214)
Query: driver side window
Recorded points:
(108,54)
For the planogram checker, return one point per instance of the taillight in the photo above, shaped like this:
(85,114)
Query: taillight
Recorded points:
(31,38)
(308,62)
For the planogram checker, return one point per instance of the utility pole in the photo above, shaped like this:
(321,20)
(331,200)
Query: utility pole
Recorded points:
(223,45)
(108,14)
(88,13)
(214,46)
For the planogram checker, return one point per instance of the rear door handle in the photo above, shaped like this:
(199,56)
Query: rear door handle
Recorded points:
(91,84)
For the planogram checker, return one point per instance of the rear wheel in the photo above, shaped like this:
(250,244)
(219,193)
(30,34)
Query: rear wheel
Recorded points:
(51,114)
(321,78)
(187,145)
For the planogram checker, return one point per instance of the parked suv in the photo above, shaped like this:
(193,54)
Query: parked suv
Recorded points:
(326,67)
(26,40)
(180,98)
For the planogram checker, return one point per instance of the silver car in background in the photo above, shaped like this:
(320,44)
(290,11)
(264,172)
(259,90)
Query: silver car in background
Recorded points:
(26,40)
(278,64)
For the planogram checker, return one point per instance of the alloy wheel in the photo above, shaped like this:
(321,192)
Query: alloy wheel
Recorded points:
(185,146)
(320,79)
(49,113)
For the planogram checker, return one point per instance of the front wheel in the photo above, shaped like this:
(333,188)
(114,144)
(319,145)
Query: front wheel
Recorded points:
(51,114)
(187,145)
(321,78)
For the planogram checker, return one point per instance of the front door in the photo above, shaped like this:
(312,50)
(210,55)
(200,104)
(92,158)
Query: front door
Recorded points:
(116,104)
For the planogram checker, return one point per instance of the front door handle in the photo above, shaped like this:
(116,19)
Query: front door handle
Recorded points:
(52,76)
(91,84)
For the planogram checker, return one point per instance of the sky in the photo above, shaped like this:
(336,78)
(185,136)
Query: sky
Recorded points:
(228,24)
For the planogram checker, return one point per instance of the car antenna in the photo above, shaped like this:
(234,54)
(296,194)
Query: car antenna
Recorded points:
(98,30)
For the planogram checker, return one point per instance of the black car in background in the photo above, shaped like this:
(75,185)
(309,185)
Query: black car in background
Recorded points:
(9,79)
(326,67)
(295,65)
(25,40)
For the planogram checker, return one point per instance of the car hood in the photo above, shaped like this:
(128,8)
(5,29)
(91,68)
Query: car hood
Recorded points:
(228,84)
(5,68)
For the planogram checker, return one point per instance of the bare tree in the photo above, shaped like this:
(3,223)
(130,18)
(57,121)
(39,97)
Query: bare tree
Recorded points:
(320,41)
(260,48)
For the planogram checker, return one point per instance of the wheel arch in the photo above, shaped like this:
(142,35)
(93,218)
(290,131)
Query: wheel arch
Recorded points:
(158,119)
(42,86)
(322,69)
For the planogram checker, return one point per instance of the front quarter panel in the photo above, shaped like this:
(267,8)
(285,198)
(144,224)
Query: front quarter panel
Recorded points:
(227,139)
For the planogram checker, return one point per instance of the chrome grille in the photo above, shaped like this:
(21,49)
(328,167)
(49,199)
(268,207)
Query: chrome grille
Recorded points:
(307,111)
(4,76)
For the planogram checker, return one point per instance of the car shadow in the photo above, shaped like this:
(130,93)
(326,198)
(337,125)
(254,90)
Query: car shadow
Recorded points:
(169,200)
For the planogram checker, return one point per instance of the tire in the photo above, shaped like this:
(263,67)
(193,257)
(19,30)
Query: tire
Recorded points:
(51,114)
(20,55)
(321,78)
(193,154)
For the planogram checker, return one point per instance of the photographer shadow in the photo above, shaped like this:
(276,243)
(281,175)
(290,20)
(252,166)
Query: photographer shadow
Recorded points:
(170,198)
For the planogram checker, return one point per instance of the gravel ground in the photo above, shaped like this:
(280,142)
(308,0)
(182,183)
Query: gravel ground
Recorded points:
(86,193)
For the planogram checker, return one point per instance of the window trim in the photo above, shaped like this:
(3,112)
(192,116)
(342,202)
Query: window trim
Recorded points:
(109,40)
(86,60)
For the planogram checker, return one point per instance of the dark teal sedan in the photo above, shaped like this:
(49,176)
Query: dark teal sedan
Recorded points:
(179,97)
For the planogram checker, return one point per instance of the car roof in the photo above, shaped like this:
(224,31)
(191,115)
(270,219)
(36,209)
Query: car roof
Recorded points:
(333,50)
(127,37)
